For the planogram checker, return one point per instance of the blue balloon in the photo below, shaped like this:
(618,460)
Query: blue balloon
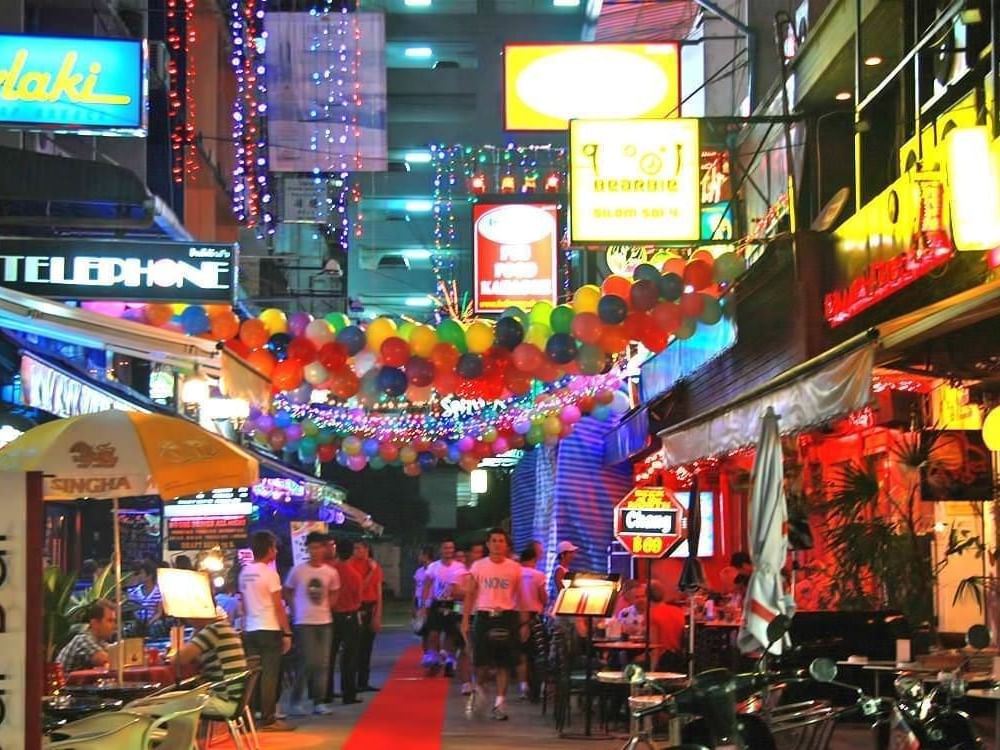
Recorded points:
(470,366)
(391,381)
(427,460)
(342,458)
(521,316)
(671,286)
(282,419)
(194,320)
(612,309)
(353,339)
(646,271)
(454,454)
(601,413)
(278,344)
(561,348)
(508,333)
(370,447)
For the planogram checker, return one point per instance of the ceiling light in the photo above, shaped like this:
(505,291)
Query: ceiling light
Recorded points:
(844,96)
(417,157)
(872,60)
(419,206)
(417,3)
(418,52)
(418,254)
(565,3)
(420,301)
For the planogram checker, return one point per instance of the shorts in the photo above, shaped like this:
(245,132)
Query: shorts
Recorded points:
(442,618)
(495,640)
(527,633)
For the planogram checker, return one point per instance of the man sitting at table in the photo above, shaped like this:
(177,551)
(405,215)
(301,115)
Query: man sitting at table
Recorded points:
(666,632)
(218,650)
(89,647)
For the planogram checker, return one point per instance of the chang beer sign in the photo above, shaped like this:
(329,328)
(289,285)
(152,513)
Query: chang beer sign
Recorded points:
(78,85)
(650,522)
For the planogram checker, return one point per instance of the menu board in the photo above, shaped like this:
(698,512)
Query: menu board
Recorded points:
(140,535)
(199,533)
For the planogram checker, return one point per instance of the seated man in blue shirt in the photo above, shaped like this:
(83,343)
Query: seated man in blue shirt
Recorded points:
(89,648)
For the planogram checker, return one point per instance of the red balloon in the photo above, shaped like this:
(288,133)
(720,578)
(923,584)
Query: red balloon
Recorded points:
(238,348)
(253,333)
(445,381)
(548,371)
(395,352)
(420,372)
(605,397)
(263,361)
(528,358)
(635,323)
(587,327)
(332,355)
(343,382)
(675,265)
(667,316)
(654,339)
(389,452)
(444,356)
(586,404)
(302,350)
(515,441)
(517,382)
(644,295)
(692,305)
(287,375)
(616,285)
(412,470)
(698,274)
(613,339)
(326,453)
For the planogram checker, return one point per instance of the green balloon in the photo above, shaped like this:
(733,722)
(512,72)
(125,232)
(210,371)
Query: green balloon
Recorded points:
(376,463)
(561,319)
(535,435)
(686,329)
(404,332)
(540,313)
(338,321)
(451,332)
(590,359)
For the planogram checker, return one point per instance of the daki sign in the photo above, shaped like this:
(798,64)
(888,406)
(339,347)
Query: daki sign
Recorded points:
(81,269)
(79,85)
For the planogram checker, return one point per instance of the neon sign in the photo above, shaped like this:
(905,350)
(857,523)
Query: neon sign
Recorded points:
(81,85)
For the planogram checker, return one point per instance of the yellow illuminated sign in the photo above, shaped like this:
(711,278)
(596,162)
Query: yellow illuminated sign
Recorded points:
(547,85)
(634,181)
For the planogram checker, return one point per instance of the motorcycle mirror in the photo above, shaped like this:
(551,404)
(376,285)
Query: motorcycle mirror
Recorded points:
(634,673)
(978,637)
(823,670)
(777,628)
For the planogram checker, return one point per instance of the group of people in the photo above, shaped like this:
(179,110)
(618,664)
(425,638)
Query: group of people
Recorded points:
(476,613)
(327,606)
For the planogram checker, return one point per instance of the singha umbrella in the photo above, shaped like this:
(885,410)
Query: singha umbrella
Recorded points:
(765,597)
(114,454)
(692,574)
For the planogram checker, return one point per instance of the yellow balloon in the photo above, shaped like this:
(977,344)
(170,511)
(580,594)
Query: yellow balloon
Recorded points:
(422,340)
(540,312)
(479,337)
(991,429)
(378,331)
(274,320)
(178,307)
(585,298)
(538,335)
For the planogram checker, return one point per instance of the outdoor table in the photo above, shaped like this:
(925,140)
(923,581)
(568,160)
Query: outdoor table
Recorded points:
(161,673)
(635,726)
(62,709)
(989,694)
(624,645)
(127,691)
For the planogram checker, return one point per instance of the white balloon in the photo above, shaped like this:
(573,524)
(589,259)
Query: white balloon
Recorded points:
(620,404)
(319,332)
(315,373)
(364,361)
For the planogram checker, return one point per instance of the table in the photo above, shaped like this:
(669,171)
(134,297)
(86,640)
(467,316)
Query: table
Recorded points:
(618,677)
(127,691)
(160,673)
(62,709)
(625,645)
(990,694)
(639,734)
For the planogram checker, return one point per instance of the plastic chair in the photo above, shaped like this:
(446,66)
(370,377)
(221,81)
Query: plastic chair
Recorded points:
(239,724)
(102,732)
(181,726)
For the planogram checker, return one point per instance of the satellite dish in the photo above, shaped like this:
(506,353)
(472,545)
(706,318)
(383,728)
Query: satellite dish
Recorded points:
(832,210)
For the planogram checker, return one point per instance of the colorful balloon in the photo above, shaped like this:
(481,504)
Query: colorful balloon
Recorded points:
(586,298)
(332,355)
(561,320)
(287,375)
(391,381)
(617,286)
(315,374)
(419,371)
(352,339)
(422,340)
(338,321)
(508,333)
(646,272)
(541,313)
(224,325)
(319,332)
(274,320)
(587,327)
(451,332)
(561,348)
(395,352)
(527,358)
(479,337)
(297,323)
(159,315)
(671,287)
(470,366)
(645,293)
(378,331)
(698,274)
(538,335)
(263,361)
(302,350)
(612,309)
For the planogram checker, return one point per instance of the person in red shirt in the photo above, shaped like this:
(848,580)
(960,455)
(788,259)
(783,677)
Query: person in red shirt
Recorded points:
(666,631)
(372,577)
(346,623)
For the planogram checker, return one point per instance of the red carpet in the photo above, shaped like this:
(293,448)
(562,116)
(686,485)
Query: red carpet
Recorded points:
(408,711)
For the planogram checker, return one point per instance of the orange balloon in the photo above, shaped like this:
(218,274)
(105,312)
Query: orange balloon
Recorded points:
(287,375)
(224,325)
(617,285)
(158,315)
(675,265)
(613,339)
(444,356)
(253,333)
(263,361)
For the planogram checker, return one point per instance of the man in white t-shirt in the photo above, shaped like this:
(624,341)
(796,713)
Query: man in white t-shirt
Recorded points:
(266,632)
(311,589)
(494,590)
(442,592)
(534,596)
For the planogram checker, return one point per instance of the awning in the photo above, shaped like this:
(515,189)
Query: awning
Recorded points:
(241,380)
(629,438)
(42,317)
(826,387)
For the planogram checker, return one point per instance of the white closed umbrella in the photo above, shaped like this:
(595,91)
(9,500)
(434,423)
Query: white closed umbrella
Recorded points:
(766,598)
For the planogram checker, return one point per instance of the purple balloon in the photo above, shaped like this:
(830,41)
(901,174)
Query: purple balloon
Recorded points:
(466,444)
(522,426)
(265,422)
(297,323)
(293,432)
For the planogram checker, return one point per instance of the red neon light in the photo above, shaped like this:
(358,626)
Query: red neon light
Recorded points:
(880,280)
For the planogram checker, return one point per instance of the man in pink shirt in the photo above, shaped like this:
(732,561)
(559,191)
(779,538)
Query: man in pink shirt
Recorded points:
(494,587)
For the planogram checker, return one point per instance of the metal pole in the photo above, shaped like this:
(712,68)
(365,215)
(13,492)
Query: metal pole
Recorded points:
(118,591)
(995,64)
(691,635)
(649,603)
(858,200)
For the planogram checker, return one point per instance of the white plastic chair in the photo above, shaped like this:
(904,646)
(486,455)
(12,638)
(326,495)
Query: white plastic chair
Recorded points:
(101,732)
(181,723)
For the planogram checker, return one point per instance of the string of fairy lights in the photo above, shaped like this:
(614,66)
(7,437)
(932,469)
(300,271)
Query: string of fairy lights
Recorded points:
(181,37)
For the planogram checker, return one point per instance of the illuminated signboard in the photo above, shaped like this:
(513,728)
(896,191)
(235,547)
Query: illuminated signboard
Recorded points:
(650,522)
(147,270)
(81,85)
(717,222)
(547,85)
(514,247)
(634,181)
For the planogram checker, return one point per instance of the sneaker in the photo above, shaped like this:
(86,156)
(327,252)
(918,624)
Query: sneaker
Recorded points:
(323,709)
(472,702)
(522,695)
(278,725)
(279,714)
(499,714)
(466,688)
(297,709)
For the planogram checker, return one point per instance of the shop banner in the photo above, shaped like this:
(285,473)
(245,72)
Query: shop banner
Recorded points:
(79,85)
(515,255)
(547,85)
(299,531)
(634,181)
(79,268)
(201,533)
(52,390)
